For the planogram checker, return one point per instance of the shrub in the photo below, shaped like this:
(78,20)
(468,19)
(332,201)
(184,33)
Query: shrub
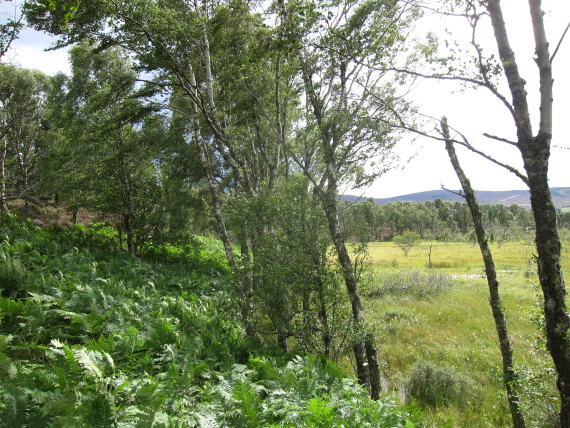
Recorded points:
(406,241)
(437,386)
(411,282)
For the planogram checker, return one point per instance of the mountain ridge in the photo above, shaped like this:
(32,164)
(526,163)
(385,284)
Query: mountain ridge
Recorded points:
(560,197)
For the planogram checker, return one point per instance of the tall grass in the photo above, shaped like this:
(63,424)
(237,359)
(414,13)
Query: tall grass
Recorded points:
(453,330)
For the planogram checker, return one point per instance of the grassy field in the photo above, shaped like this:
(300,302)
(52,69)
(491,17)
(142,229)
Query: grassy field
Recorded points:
(452,331)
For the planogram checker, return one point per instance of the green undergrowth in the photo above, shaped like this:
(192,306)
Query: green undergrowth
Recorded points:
(91,337)
(436,336)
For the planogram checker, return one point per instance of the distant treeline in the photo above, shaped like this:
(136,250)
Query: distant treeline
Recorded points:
(439,220)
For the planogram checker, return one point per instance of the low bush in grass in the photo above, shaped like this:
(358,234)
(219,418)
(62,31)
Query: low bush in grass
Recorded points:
(439,386)
(412,282)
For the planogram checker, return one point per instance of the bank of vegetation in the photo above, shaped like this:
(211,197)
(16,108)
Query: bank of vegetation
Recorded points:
(90,336)
(244,122)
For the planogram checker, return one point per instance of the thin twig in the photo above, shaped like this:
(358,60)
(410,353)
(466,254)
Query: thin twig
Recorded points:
(503,140)
(559,43)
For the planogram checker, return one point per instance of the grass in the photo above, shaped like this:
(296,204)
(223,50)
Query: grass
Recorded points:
(453,257)
(454,330)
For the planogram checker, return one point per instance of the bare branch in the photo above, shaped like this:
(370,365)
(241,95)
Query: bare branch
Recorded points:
(509,168)
(460,193)
(503,140)
(463,142)
(559,43)
(427,6)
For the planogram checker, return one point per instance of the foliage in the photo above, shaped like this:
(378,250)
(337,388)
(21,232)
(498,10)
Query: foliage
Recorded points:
(539,399)
(296,282)
(23,129)
(437,386)
(406,241)
(304,91)
(101,125)
(9,29)
(104,339)
(12,276)
(410,282)
(306,392)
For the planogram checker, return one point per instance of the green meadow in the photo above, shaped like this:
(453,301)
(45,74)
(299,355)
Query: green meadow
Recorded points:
(445,334)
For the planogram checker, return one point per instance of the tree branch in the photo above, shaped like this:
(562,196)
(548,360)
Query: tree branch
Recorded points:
(509,168)
(460,193)
(503,140)
(559,43)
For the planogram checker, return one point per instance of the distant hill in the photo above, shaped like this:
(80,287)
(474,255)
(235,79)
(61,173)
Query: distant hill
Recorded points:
(560,196)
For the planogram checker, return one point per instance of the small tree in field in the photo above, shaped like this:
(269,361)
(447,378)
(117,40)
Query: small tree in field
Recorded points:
(406,241)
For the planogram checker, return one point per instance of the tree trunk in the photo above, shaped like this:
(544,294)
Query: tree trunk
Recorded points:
(509,375)
(535,152)
(246,279)
(327,189)
(25,191)
(282,340)
(127,222)
(3,204)
(323,316)
(128,208)
(128,215)
(551,278)
(367,366)
(244,300)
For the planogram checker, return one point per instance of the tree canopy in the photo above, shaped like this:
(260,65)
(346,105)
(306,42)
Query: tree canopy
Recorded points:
(248,121)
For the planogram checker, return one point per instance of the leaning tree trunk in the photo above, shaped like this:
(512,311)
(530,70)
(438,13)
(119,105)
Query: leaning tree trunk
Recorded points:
(509,375)
(244,294)
(365,352)
(535,152)
(3,204)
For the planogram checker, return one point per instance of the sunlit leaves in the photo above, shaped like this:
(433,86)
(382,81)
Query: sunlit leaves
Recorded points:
(162,354)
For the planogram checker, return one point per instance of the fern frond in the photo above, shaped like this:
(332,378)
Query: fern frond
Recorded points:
(89,365)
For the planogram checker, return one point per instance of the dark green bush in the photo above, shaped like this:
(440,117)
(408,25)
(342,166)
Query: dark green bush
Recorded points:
(439,386)
(412,282)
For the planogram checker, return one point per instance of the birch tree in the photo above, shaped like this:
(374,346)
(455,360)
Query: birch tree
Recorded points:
(110,143)
(346,140)
(23,107)
(532,143)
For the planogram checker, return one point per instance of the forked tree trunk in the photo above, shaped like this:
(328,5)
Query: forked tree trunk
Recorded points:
(535,150)
(509,375)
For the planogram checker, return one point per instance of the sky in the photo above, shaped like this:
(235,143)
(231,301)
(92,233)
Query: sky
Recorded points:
(424,163)
(476,112)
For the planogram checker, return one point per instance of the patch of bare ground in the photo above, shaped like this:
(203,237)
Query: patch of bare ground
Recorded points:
(46,212)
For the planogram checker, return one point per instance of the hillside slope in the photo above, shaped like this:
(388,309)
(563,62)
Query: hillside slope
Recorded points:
(560,197)
(92,337)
